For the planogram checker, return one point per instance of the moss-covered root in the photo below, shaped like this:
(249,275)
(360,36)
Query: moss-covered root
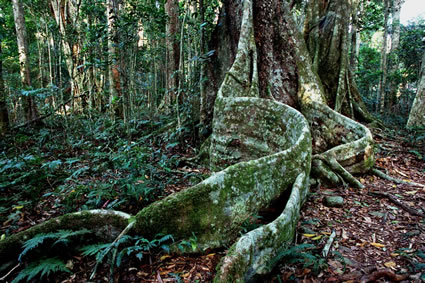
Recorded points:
(335,168)
(106,224)
(342,146)
(256,252)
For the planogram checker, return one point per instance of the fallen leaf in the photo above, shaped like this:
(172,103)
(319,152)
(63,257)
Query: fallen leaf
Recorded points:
(164,257)
(377,245)
(390,264)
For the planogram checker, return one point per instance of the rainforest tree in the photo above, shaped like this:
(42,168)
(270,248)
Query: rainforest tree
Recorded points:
(275,93)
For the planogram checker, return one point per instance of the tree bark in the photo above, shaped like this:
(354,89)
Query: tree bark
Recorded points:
(66,13)
(114,76)
(4,115)
(172,46)
(30,108)
(393,63)
(262,148)
(355,34)
(384,60)
(417,112)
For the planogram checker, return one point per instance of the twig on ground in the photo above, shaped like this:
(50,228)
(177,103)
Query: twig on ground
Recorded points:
(13,269)
(329,243)
(395,180)
(394,200)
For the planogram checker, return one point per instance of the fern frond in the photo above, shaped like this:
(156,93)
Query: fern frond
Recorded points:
(35,242)
(94,249)
(62,236)
(41,268)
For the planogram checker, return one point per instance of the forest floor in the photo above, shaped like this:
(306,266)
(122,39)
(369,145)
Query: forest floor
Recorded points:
(376,236)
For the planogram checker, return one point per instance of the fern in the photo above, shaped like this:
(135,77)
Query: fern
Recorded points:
(62,237)
(300,254)
(96,249)
(41,268)
(65,235)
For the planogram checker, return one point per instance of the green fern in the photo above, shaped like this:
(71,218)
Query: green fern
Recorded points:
(62,236)
(301,254)
(41,268)
(96,249)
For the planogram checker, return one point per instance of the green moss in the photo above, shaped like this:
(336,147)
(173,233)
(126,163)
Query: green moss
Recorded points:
(106,224)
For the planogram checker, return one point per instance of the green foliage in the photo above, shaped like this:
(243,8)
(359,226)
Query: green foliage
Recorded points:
(133,245)
(302,254)
(411,50)
(415,259)
(368,74)
(142,246)
(371,18)
(41,269)
(191,244)
(60,237)
(250,224)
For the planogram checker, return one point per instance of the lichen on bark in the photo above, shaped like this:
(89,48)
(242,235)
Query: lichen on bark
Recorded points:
(260,148)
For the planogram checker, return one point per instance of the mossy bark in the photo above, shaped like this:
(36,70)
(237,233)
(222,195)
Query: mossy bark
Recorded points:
(106,225)
(262,147)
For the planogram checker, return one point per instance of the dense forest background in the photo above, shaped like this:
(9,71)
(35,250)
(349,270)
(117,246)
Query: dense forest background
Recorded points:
(103,105)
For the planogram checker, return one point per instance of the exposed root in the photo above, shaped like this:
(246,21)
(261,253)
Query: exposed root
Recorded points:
(337,168)
(105,223)
(395,180)
(255,252)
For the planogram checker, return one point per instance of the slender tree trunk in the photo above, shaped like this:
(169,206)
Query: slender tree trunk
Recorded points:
(4,115)
(393,63)
(203,112)
(66,14)
(114,76)
(384,68)
(355,35)
(417,112)
(29,105)
(172,47)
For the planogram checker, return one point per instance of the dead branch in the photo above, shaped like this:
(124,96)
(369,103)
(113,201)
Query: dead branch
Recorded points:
(394,200)
(395,180)
(39,118)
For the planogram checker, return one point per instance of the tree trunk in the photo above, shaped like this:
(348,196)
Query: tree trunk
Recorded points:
(417,112)
(114,59)
(384,68)
(355,34)
(172,47)
(4,115)
(66,14)
(393,63)
(30,108)
(261,147)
